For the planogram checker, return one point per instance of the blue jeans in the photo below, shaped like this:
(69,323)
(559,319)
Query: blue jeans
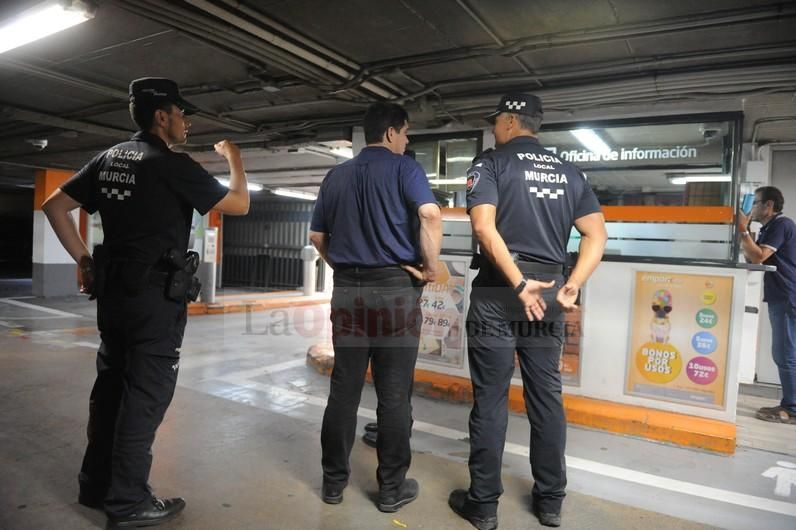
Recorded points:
(783,349)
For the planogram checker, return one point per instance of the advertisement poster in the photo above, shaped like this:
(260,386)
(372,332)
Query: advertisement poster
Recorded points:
(679,338)
(442,303)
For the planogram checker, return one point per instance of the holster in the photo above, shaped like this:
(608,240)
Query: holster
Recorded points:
(181,283)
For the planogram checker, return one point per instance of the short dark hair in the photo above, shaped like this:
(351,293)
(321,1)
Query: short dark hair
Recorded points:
(380,117)
(144,115)
(531,123)
(770,193)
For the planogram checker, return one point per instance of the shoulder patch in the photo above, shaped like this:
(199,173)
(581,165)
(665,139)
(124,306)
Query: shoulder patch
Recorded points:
(473,177)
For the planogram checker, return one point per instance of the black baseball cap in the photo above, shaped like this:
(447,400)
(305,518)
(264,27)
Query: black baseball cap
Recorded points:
(153,90)
(517,103)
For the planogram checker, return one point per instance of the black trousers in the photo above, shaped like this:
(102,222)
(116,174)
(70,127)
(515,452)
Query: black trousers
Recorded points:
(496,328)
(137,365)
(376,319)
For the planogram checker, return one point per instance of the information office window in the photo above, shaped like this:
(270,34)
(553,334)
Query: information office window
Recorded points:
(684,161)
(445,159)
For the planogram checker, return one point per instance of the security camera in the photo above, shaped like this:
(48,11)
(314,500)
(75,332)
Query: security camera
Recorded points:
(38,143)
(711,131)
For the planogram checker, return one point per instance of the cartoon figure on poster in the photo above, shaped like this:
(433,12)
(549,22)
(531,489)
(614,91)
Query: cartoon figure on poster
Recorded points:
(660,326)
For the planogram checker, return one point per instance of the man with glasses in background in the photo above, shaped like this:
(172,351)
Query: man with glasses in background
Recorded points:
(776,245)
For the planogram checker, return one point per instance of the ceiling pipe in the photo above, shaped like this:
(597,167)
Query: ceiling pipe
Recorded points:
(279,42)
(65,79)
(13,113)
(610,68)
(655,83)
(762,121)
(207,30)
(241,45)
(304,40)
(31,166)
(283,106)
(587,36)
(115,93)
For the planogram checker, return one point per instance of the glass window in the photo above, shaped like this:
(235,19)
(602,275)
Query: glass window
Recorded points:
(672,164)
(445,160)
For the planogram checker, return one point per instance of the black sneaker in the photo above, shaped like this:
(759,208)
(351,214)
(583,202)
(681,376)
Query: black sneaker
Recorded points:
(370,438)
(547,518)
(392,502)
(332,493)
(459,503)
(153,513)
(371,427)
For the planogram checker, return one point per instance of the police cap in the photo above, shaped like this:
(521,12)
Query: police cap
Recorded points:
(517,103)
(154,90)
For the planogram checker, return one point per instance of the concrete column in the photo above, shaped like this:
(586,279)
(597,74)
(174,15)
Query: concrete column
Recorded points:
(487,140)
(357,140)
(216,220)
(54,270)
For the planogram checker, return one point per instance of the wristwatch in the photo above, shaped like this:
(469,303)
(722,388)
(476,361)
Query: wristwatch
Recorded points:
(745,233)
(520,287)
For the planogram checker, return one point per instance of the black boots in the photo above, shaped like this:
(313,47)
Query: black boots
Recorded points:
(464,508)
(393,501)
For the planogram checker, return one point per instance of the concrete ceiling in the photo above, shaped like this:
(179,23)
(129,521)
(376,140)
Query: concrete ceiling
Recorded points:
(275,74)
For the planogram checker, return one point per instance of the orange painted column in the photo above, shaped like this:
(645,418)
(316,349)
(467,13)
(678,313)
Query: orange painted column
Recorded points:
(54,270)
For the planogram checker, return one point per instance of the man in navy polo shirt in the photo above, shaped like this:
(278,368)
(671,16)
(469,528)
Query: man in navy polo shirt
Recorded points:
(377,224)
(776,245)
(523,202)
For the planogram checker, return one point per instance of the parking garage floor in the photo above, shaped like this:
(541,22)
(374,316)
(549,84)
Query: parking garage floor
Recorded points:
(241,442)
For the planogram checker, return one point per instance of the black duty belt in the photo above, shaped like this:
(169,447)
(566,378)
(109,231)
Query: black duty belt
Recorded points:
(528,267)
(533,267)
(368,268)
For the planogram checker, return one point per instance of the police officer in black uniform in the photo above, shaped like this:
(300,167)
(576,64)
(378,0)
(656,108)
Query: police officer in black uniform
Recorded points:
(523,201)
(145,194)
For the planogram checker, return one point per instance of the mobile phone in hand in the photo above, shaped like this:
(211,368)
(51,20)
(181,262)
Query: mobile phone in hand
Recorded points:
(746,203)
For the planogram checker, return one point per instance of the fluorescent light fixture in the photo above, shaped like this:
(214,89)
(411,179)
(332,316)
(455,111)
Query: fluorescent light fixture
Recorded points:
(42,20)
(591,141)
(459,180)
(343,152)
(682,179)
(295,194)
(252,186)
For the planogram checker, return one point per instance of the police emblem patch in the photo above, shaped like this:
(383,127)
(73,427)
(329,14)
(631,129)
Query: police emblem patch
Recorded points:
(114,193)
(546,193)
(472,180)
